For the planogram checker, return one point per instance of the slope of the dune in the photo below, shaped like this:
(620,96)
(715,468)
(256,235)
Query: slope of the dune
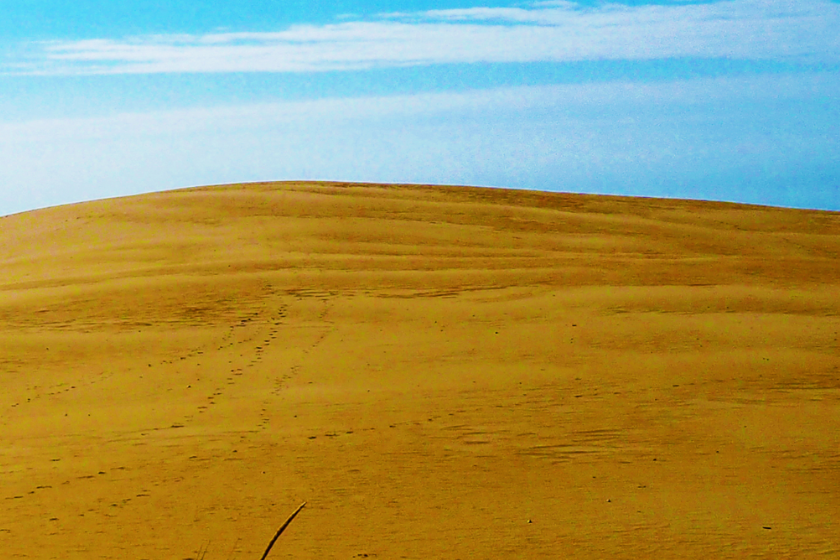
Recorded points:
(439,372)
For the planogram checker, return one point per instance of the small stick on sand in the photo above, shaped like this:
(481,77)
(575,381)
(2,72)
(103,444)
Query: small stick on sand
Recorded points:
(202,552)
(234,548)
(280,531)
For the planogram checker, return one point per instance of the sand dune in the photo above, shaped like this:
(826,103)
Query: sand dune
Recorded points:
(439,372)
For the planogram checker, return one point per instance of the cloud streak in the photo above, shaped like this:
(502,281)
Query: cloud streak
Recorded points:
(783,30)
(607,103)
(681,138)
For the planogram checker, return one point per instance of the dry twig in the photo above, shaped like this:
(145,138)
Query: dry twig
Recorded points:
(280,531)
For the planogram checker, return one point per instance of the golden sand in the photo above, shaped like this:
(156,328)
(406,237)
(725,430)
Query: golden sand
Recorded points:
(455,373)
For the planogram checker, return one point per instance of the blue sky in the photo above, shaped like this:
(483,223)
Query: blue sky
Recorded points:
(729,100)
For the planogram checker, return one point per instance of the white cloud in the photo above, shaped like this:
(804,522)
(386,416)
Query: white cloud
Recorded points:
(570,102)
(597,137)
(798,30)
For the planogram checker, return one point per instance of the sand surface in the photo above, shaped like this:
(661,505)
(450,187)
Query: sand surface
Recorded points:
(452,373)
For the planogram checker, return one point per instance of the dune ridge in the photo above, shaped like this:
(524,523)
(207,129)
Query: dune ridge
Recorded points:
(439,372)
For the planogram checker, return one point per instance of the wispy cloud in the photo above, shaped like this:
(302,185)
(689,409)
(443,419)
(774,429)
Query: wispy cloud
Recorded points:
(787,30)
(759,134)
(602,102)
